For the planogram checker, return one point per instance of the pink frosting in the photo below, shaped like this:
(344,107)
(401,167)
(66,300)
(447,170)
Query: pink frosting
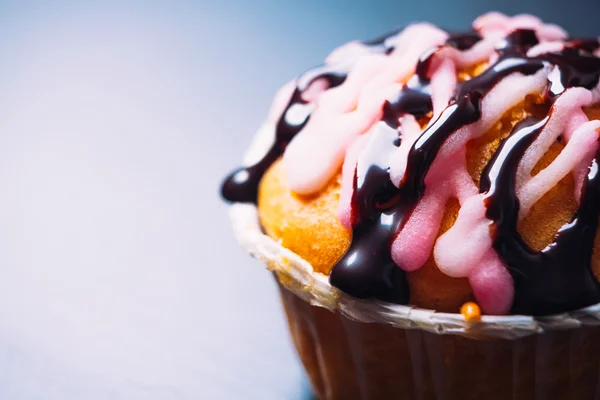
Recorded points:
(499,25)
(466,249)
(344,117)
(351,109)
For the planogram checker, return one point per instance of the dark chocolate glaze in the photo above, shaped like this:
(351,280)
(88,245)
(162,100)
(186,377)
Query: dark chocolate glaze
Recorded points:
(572,68)
(415,96)
(559,278)
(518,42)
(365,264)
(367,269)
(379,208)
(241,186)
(586,45)
(463,41)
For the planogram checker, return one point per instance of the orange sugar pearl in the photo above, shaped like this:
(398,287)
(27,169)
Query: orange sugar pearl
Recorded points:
(471,311)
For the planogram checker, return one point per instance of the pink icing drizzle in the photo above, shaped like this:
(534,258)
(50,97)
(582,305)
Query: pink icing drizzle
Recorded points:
(344,117)
(352,108)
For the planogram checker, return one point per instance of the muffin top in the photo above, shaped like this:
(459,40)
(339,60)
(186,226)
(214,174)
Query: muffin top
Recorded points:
(433,168)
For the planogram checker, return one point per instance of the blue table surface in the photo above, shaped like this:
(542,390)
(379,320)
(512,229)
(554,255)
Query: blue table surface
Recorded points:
(120,278)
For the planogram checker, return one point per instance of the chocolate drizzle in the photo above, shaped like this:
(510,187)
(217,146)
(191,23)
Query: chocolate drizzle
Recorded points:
(241,186)
(463,41)
(572,68)
(381,225)
(381,209)
(415,96)
(367,269)
(559,278)
(584,45)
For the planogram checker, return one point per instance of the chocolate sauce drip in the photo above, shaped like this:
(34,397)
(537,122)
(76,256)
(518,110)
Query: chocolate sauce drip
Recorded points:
(483,83)
(574,66)
(366,263)
(241,186)
(463,41)
(367,269)
(380,209)
(507,158)
(518,42)
(571,68)
(559,278)
(415,96)
(512,59)
(586,45)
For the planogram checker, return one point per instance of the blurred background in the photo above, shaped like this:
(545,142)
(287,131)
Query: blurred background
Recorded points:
(119,275)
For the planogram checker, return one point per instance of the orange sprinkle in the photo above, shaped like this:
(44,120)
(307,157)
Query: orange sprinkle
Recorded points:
(471,311)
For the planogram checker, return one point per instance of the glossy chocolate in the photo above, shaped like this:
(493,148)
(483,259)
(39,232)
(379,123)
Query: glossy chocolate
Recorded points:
(544,282)
(557,279)
(371,252)
(241,186)
(367,269)
(380,208)
(463,41)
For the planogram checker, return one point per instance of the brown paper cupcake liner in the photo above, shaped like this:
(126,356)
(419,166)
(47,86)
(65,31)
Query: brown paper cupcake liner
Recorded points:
(368,349)
(357,349)
(346,359)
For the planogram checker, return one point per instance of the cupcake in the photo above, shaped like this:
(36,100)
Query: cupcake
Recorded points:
(429,202)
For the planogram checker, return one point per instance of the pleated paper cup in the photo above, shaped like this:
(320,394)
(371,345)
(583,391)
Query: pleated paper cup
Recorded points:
(357,349)
(368,349)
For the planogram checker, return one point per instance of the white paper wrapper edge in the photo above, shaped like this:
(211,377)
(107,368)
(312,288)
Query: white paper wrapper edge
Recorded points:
(297,275)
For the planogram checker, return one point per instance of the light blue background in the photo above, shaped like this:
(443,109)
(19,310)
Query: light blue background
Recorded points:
(119,276)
